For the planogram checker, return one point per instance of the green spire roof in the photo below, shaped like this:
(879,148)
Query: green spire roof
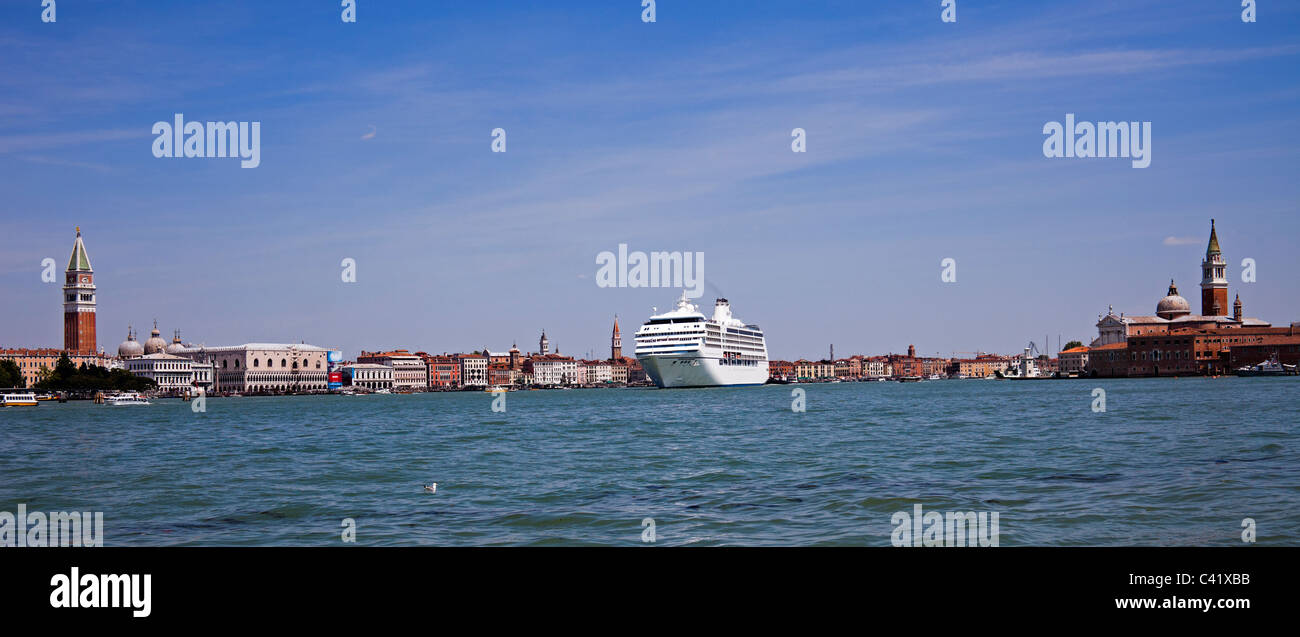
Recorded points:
(1214,240)
(79,261)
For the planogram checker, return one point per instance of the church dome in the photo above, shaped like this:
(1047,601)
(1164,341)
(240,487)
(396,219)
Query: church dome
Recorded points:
(155,344)
(130,348)
(176,347)
(1173,305)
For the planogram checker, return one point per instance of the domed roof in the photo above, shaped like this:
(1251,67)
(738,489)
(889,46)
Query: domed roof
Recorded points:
(130,348)
(176,347)
(155,344)
(1173,305)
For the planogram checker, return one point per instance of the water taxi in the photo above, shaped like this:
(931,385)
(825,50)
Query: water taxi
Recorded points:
(129,398)
(20,400)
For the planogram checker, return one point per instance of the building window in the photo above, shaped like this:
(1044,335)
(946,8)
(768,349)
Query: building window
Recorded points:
(255,363)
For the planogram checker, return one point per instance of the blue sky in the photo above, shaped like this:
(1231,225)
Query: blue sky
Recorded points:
(924,142)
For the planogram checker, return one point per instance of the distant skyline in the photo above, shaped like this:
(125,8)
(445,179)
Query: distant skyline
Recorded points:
(924,142)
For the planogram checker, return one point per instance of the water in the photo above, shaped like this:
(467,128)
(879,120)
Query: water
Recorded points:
(1171,462)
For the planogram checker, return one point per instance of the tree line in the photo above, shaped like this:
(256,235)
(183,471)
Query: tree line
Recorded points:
(68,377)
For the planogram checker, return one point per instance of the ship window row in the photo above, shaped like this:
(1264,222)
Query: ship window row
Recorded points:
(732,338)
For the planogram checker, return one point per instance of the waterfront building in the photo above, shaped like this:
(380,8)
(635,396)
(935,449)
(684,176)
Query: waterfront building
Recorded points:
(982,366)
(908,365)
(1109,360)
(500,374)
(931,365)
(1074,360)
(444,371)
(265,367)
(204,375)
(620,371)
(369,375)
(600,372)
(409,370)
(173,374)
(30,362)
(473,370)
(877,367)
(79,302)
(780,370)
(554,369)
(1252,346)
(848,367)
(201,363)
(1209,352)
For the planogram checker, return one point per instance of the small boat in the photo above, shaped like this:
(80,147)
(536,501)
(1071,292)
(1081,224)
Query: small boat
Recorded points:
(910,379)
(20,400)
(129,398)
(383,391)
(45,397)
(1269,367)
(935,377)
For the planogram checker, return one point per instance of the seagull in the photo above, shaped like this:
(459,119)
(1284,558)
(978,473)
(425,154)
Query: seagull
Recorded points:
(431,488)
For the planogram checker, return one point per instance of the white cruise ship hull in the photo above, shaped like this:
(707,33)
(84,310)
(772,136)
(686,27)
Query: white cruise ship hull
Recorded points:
(692,371)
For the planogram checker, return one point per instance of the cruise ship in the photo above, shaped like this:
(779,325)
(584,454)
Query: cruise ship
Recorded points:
(683,348)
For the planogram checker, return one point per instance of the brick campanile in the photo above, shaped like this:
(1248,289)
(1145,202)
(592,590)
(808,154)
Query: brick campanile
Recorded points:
(79,302)
(616,342)
(1214,278)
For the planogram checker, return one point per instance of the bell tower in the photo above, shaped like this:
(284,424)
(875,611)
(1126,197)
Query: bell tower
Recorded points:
(1214,278)
(616,342)
(79,302)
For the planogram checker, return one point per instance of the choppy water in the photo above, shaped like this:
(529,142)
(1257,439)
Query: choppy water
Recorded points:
(1171,462)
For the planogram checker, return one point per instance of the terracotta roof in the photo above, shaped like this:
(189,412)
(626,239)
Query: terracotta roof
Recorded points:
(1110,346)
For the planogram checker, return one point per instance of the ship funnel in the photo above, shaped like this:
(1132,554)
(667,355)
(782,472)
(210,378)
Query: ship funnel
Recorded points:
(721,311)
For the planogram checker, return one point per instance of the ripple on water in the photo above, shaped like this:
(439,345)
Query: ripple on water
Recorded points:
(1164,465)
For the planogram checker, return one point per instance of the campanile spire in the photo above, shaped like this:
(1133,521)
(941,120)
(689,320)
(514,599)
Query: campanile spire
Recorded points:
(79,301)
(1214,278)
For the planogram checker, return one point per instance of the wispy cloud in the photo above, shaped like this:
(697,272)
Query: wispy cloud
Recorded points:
(42,141)
(1182,241)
